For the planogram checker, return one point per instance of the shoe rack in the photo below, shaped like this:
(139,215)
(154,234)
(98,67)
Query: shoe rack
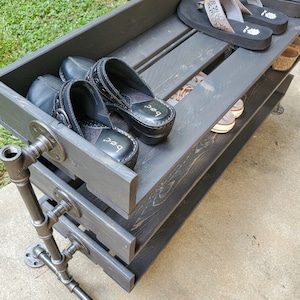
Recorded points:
(120,218)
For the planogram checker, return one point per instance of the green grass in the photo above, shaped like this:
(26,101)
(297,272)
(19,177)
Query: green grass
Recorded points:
(26,26)
(5,139)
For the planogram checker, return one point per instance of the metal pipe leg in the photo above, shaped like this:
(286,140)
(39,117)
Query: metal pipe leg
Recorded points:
(73,286)
(17,161)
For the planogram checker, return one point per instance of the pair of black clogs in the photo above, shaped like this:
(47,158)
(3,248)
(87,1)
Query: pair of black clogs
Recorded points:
(89,90)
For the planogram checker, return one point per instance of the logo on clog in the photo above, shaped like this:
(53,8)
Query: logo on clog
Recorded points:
(113,143)
(153,109)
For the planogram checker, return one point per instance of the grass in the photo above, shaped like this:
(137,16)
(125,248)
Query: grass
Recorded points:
(26,26)
(5,139)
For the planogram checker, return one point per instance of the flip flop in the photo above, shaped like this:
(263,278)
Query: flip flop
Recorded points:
(257,13)
(289,7)
(210,19)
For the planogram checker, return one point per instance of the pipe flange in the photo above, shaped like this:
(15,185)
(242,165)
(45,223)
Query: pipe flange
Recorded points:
(73,237)
(30,258)
(38,129)
(59,196)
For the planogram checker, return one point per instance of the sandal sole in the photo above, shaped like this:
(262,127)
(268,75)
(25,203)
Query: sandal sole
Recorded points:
(148,135)
(260,16)
(290,8)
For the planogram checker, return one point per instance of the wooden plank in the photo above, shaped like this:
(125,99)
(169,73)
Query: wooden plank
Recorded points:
(182,63)
(107,230)
(152,42)
(82,156)
(116,270)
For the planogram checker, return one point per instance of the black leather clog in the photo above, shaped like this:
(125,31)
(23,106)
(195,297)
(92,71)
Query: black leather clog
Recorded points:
(150,118)
(78,105)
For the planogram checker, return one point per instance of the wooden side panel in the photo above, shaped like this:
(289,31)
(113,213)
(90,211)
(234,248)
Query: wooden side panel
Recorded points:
(114,268)
(83,159)
(108,231)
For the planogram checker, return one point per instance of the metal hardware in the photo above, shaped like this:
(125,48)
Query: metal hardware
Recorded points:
(17,161)
(40,131)
(77,241)
(71,284)
(278,109)
(30,259)
(62,198)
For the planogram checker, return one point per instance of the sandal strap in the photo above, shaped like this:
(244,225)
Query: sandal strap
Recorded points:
(217,16)
(233,11)
(243,8)
(105,69)
(255,2)
(103,83)
(65,112)
(63,107)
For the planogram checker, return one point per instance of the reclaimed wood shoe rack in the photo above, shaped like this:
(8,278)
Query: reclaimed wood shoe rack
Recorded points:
(139,210)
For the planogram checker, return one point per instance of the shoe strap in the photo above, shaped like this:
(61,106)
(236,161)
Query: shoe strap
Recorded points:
(255,2)
(64,110)
(233,11)
(243,8)
(98,75)
(216,14)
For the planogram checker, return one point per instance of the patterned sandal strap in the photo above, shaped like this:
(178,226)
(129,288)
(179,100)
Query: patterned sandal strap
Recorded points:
(217,16)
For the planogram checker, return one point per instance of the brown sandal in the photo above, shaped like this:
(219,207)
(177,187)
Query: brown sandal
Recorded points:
(296,44)
(286,59)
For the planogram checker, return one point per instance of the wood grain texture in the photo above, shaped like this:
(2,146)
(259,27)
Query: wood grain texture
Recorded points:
(166,231)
